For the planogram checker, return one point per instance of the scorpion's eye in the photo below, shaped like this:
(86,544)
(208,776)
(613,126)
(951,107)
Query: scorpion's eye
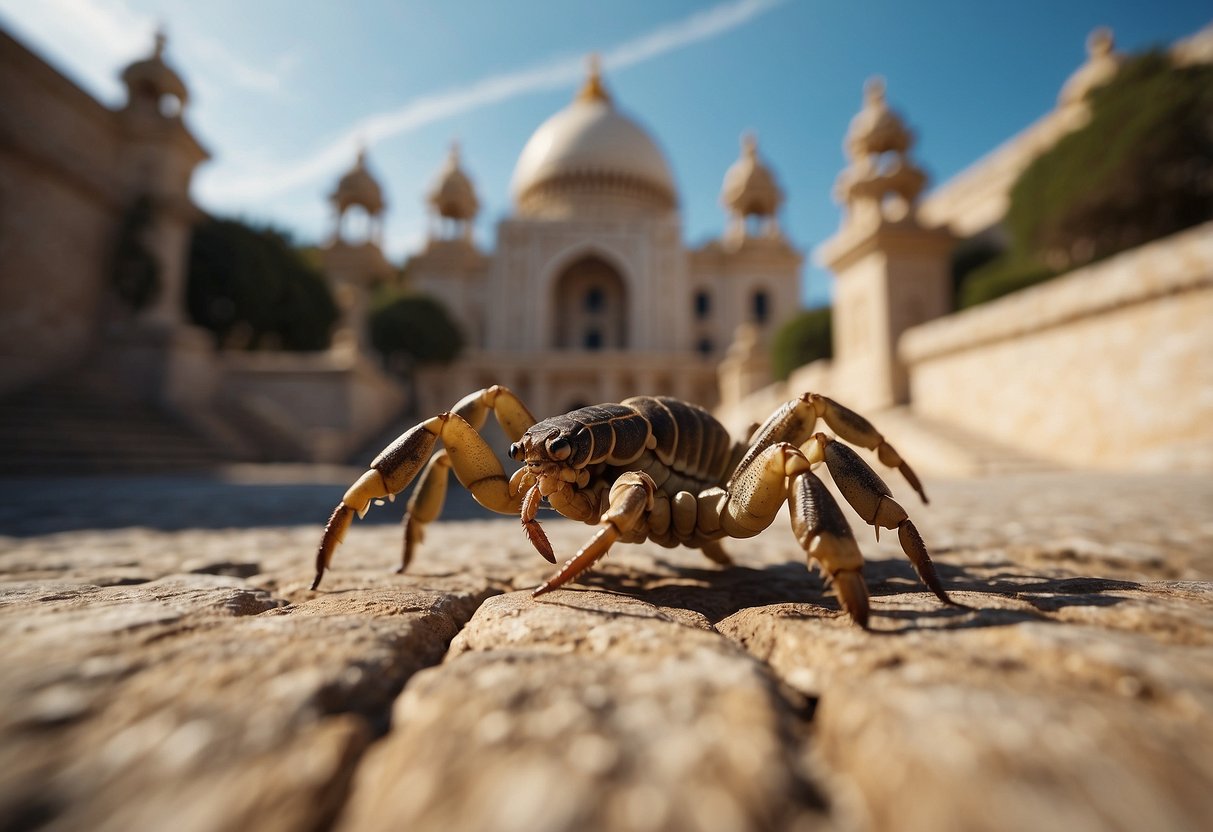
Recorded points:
(560,448)
(516,451)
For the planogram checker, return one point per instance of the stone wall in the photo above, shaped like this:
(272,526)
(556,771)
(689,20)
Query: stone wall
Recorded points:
(1110,366)
(59,208)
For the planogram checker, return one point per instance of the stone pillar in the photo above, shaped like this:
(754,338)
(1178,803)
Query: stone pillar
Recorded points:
(893,277)
(891,271)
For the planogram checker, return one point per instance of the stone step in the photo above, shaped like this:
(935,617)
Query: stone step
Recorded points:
(941,449)
(82,423)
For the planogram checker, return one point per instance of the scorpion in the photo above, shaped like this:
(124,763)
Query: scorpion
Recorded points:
(651,468)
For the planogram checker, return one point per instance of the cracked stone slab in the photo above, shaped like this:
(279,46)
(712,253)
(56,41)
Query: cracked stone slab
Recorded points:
(589,710)
(184,678)
(1078,705)
(200,702)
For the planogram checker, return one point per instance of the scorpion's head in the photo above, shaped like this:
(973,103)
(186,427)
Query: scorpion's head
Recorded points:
(555,453)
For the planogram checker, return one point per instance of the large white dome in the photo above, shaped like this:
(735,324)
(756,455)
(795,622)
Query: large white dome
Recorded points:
(590,149)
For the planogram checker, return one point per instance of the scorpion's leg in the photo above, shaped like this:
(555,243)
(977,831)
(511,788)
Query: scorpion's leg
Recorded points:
(425,504)
(430,494)
(795,421)
(872,500)
(826,536)
(630,499)
(755,494)
(475,465)
(857,430)
(716,553)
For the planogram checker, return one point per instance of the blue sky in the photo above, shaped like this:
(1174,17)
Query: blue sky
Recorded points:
(283,90)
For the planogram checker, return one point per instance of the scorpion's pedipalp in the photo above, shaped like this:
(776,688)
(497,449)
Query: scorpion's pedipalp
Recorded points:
(631,497)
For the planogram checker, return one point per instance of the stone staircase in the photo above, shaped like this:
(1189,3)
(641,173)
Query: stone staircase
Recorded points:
(82,423)
(943,449)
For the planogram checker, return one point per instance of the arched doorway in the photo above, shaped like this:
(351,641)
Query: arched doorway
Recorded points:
(590,306)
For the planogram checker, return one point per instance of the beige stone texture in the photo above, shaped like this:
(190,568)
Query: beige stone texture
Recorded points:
(1108,366)
(187,679)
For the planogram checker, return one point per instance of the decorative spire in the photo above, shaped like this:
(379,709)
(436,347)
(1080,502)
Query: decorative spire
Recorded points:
(750,188)
(593,90)
(151,80)
(878,144)
(453,196)
(358,187)
(876,128)
(1101,66)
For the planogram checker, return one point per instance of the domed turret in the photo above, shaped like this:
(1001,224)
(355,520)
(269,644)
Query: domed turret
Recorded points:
(453,196)
(881,182)
(751,190)
(876,129)
(591,158)
(152,85)
(358,188)
(1103,62)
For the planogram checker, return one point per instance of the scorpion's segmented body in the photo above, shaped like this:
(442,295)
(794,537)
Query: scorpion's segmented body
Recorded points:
(653,468)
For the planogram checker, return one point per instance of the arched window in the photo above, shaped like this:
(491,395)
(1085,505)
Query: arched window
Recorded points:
(703,304)
(760,306)
(594,300)
(590,307)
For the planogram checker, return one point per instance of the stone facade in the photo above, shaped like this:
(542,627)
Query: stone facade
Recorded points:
(71,173)
(1108,366)
(591,294)
(1037,374)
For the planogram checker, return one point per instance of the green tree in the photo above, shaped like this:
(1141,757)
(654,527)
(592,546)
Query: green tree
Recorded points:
(806,337)
(1140,169)
(413,329)
(253,284)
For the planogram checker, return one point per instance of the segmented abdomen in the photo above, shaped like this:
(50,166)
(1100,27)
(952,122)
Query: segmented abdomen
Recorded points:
(689,439)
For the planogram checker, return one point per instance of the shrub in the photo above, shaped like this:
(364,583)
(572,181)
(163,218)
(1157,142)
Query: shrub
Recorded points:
(806,337)
(1140,169)
(415,328)
(253,282)
(999,277)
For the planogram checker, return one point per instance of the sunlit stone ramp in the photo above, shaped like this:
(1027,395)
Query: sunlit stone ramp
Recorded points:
(187,680)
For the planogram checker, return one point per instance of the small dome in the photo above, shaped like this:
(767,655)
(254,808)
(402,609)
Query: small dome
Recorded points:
(453,195)
(1103,62)
(151,79)
(749,186)
(876,129)
(358,187)
(591,148)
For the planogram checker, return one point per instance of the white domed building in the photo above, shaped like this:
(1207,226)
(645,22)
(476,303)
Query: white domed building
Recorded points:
(591,294)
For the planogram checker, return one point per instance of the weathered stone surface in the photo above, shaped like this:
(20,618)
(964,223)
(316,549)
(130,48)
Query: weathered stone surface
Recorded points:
(187,679)
(200,702)
(587,710)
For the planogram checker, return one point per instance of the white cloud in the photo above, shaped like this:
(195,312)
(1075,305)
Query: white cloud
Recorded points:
(263,183)
(96,38)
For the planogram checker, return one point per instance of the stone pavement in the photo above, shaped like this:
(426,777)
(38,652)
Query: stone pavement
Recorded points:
(166,667)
